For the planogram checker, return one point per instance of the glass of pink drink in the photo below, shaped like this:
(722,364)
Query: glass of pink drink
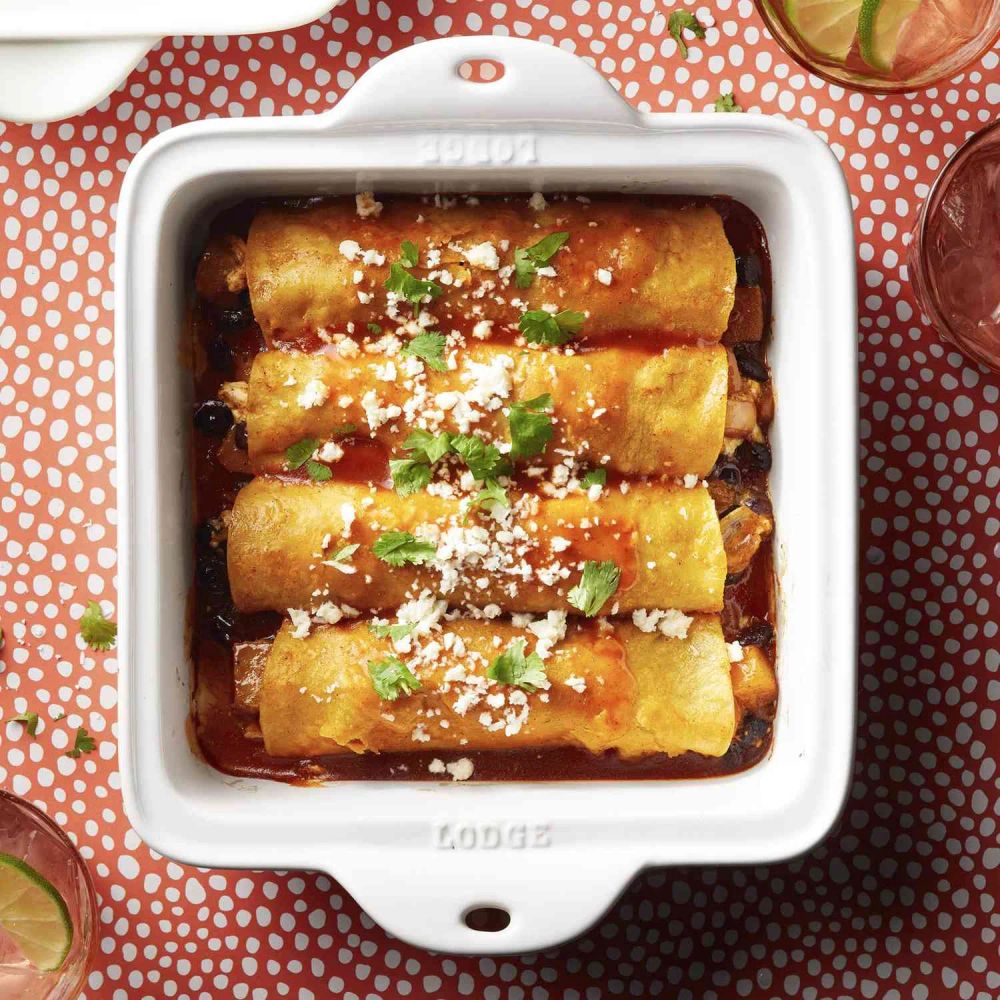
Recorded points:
(883,45)
(30,839)
(954,256)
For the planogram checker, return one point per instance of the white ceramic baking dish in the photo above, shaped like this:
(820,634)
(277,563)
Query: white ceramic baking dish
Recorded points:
(418,855)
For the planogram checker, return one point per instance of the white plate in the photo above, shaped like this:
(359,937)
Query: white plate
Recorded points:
(60,57)
(554,854)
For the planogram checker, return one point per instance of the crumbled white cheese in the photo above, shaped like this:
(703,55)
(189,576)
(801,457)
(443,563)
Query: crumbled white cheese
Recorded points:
(603,275)
(301,622)
(578,684)
(328,613)
(672,623)
(735,651)
(330,452)
(347,515)
(349,249)
(690,481)
(491,382)
(549,630)
(367,206)
(375,412)
(483,255)
(315,393)
(537,201)
(436,766)
(461,769)
(482,329)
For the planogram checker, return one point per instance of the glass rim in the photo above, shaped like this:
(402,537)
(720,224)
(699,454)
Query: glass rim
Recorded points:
(877,87)
(51,826)
(927,296)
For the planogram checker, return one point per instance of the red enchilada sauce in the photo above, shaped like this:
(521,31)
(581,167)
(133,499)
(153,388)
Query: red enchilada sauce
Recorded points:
(226,340)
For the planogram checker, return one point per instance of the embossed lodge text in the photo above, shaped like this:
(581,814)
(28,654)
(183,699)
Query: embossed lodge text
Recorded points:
(490,836)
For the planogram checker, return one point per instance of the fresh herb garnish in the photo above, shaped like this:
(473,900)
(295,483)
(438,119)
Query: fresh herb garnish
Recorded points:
(598,583)
(84,743)
(541,327)
(391,677)
(397,548)
(530,428)
(409,254)
(394,632)
(595,477)
(29,720)
(514,668)
(407,287)
(484,460)
(433,447)
(409,475)
(429,347)
(727,102)
(679,21)
(344,553)
(296,455)
(96,630)
(374,328)
(491,496)
(318,472)
(527,260)
(344,429)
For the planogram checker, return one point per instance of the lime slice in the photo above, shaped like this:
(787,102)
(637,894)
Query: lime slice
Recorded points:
(33,914)
(828,27)
(879,26)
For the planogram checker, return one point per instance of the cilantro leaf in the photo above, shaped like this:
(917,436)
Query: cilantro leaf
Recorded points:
(541,327)
(345,429)
(429,347)
(491,496)
(374,328)
(679,21)
(394,632)
(397,548)
(391,677)
(407,287)
(318,472)
(296,455)
(484,460)
(409,475)
(409,254)
(530,428)
(514,668)
(29,721)
(595,477)
(527,260)
(433,446)
(727,102)
(344,553)
(97,631)
(84,743)
(598,583)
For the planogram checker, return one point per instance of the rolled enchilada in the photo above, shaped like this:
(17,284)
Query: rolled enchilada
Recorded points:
(637,266)
(284,537)
(626,410)
(607,688)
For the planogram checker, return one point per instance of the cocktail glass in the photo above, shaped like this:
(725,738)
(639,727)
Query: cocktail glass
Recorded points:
(954,255)
(28,835)
(883,45)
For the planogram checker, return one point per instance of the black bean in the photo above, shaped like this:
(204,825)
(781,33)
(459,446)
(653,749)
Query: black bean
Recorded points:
(748,269)
(240,436)
(205,532)
(220,355)
(755,455)
(729,473)
(213,417)
(212,572)
(759,634)
(233,320)
(750,366)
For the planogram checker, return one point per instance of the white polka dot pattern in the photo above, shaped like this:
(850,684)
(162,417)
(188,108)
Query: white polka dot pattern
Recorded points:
(898,901)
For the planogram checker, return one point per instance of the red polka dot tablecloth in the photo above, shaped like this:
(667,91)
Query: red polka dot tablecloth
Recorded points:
(899,901)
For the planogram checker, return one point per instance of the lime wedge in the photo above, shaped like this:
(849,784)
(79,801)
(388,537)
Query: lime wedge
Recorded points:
(879,26)
(828,27)
(33,914)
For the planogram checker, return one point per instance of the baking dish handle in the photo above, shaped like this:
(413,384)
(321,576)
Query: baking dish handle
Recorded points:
(549,896)
(421,84)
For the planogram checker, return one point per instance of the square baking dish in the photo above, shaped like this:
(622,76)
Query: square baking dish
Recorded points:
(419,855)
